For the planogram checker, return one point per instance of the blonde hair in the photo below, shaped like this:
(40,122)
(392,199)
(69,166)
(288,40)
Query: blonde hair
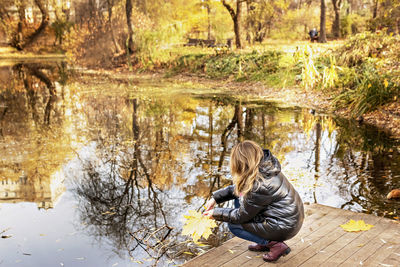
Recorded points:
(245,159)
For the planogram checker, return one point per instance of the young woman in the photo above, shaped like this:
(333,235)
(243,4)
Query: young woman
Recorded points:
(268,210)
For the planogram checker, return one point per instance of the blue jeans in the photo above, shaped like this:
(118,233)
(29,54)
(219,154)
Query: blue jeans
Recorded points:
(238,231)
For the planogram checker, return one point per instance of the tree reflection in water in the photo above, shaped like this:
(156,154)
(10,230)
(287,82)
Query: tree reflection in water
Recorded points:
(145,159)
(370,170)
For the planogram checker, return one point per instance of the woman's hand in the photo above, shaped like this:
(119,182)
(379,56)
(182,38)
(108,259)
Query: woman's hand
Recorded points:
(209,213)
(210,204)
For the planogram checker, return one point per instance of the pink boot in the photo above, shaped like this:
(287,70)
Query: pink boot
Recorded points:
(276,251)
(258,247)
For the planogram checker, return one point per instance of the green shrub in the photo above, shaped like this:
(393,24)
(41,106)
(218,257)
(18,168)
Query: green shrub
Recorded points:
(364,89)
(255,66)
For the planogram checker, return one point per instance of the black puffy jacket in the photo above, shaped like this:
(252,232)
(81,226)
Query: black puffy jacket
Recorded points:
(272,210)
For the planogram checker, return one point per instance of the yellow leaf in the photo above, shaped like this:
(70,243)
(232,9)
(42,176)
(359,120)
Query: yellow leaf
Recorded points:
(356,226)
(369,85)
(231,251)
(197,225)
(386,83)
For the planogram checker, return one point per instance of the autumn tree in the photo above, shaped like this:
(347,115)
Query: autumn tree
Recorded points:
(386,15)
(110,5)
(262,16)
(236,17)
(128,12)
(322,29)
(21,42)
(337,5)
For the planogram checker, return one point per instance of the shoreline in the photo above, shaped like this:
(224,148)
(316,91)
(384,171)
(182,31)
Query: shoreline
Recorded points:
(386,118)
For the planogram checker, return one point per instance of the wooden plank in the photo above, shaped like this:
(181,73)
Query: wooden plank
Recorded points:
(394,258)
(320,232)
(373,246)
(322,228)
(347,243)
(392,243)
(229,253)
(243,258)
(313,213)
(310,226)
(215,252)
(321,238)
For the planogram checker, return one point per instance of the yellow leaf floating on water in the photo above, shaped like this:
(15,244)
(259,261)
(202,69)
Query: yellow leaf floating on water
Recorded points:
(197,225)
(356,226)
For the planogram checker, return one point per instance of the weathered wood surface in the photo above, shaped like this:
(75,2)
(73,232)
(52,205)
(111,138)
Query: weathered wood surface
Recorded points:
(321,242)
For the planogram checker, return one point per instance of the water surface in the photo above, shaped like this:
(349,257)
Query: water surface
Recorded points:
(97,171)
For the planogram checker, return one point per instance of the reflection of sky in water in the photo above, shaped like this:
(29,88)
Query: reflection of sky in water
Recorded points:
(339,165)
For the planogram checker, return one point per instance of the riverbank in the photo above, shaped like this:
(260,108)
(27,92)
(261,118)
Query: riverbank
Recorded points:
(353,79)
(387,118)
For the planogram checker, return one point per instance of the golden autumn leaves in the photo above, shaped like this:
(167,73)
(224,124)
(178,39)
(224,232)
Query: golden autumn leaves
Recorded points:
(197,225)
(356,226)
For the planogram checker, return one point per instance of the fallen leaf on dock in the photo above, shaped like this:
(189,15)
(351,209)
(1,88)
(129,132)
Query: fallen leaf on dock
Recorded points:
(231,251)
(356,226)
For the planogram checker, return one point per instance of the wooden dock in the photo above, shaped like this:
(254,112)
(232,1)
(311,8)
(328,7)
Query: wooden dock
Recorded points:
(321,242)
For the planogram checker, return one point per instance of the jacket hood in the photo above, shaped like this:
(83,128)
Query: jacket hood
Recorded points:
(269,165)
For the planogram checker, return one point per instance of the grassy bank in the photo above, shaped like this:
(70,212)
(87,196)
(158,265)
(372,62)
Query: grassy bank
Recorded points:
(358,76)
(275,69)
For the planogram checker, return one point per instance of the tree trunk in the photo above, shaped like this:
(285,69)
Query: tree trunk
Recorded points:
(236,20)
(208,21)
(239,115)
(128,12)
(336,22)
(110,4)
(322,30)
(238,31)
(249,24)
(45,22)
(375,11)
(21,23)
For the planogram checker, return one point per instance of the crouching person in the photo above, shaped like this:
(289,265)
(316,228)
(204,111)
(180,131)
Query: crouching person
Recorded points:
(268,210)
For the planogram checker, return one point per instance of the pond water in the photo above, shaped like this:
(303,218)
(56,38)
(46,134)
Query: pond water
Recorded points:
(97,171)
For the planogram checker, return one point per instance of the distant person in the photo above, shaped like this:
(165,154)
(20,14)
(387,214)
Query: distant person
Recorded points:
(313,35)
(268,210)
